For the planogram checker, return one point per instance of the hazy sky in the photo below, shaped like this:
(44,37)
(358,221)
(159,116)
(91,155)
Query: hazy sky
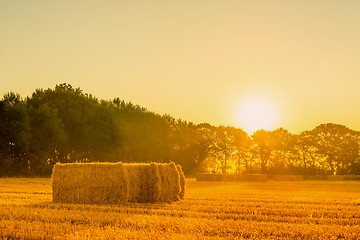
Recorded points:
(195,60)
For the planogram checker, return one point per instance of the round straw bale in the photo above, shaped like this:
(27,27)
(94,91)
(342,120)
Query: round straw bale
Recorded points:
(254,177)
(170,182)
(182,181)
(115,183)
(335,177)
(288,178)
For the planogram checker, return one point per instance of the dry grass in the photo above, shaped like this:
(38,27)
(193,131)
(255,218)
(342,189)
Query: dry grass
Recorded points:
(216,210)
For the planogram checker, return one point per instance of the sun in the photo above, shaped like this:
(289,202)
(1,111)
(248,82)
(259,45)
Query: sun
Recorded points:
(256,113)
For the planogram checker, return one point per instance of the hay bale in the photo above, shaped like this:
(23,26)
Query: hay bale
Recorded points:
(218,177)
(238,177)
(229,177)
(316,177)
(288,178)
(182,181)
(210,177)
(90,183)
(144,181)
(114,183)
(335,178)
(352,177)
(254,177)
(170,182)
(204,177)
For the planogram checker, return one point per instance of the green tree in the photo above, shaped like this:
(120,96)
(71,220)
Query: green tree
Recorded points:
(189,144)
(144,134)
(14,135)
(283,154)
(264,145)
(338,144)
(76,113)
(47,137)
(307,157)
(245,154)
(223,147)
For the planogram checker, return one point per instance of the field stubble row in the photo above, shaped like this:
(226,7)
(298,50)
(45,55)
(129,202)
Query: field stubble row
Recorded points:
(297,210)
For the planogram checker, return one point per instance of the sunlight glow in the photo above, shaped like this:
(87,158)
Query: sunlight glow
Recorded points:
(257,113)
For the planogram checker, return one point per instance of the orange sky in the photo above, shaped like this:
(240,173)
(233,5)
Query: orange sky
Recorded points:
(196,60)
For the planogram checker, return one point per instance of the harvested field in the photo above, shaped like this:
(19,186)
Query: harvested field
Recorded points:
(210,210)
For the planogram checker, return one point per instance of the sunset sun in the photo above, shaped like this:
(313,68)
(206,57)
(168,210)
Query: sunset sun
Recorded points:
(256,113)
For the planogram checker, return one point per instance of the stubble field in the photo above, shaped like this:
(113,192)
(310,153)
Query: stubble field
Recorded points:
(211,210)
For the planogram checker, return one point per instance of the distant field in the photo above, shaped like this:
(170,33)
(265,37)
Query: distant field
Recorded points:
(211,210)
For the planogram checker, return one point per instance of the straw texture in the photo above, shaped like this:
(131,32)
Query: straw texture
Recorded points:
(116,183)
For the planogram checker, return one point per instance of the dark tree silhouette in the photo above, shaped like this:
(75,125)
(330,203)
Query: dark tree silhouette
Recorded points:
(66,125)
(338,145)
(264,144)
(14,135)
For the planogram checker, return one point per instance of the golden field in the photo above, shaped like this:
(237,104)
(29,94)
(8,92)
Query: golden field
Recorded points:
(211,210)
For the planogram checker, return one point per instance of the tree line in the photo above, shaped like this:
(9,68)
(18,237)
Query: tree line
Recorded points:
(66,125)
